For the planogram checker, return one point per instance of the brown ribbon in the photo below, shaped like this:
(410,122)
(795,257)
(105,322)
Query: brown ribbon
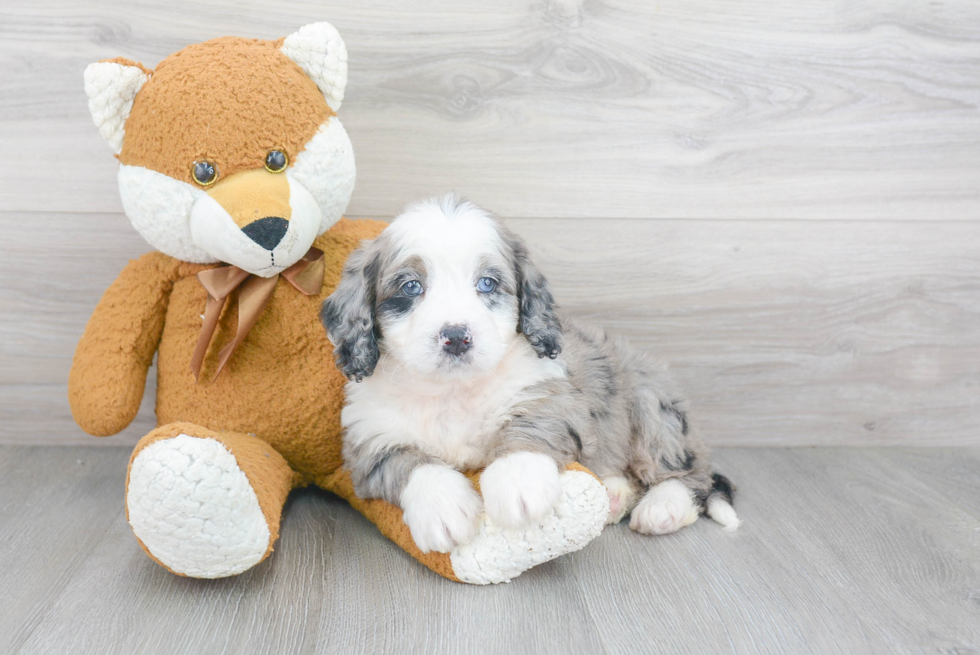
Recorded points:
(306,276)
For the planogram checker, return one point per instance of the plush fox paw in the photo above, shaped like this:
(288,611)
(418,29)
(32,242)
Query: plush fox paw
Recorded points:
(194,510)
(499,554)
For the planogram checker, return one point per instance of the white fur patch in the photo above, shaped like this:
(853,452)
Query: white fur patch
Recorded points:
(194,508)
(520,489)
(666,507)
(318,49)
(111,89)
(723,513)
(441,508)
(453,420)
(499,555)
(326,169)
(159,207)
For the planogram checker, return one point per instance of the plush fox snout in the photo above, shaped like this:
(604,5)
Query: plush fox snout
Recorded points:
(260,221)
(258,202)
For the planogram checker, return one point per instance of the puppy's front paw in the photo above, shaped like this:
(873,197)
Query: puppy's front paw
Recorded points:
(441,508)
(520,489)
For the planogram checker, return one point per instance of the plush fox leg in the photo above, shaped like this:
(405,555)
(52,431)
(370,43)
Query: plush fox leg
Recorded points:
(496,554)
(206,504)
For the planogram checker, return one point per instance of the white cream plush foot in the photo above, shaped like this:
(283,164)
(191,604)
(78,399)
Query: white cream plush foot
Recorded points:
(194,508)
(499,555)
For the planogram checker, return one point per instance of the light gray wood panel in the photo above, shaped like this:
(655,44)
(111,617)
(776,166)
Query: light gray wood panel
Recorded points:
(782,332)
(841,550)
(802,333)
(696,109)
(47,293)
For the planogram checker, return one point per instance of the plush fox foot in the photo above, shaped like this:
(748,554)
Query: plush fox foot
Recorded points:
(498,554)
(205,504)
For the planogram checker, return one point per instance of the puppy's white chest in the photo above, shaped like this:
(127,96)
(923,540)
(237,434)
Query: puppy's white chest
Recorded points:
(459,426)
(458,423)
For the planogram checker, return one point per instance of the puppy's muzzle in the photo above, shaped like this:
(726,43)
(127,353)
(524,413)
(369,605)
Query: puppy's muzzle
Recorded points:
(456,339)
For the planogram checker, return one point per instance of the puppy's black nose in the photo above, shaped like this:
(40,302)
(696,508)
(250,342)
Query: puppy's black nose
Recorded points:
(267,232)
(456,339)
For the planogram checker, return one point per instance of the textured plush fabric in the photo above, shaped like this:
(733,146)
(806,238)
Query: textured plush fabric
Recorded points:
(108,373)
(219,85)
(281,384)
(111,87)
(318,49)
(497,555)
(207,476)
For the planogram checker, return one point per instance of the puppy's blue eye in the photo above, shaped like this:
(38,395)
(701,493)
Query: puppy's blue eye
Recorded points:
(486,284)
(412,288)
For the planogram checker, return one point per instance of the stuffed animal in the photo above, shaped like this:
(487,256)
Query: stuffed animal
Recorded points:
(234,166)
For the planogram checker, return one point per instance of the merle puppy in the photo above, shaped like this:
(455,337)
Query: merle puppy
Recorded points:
(457,360)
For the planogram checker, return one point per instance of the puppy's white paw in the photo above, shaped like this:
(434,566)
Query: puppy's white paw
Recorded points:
(441,508)
(666,507)
(520,489)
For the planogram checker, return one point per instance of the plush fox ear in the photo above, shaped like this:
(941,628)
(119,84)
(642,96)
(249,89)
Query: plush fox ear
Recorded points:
(318,49)
(111,87)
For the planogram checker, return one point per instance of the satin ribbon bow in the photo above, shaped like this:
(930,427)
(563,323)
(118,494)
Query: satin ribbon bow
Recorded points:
(306,275)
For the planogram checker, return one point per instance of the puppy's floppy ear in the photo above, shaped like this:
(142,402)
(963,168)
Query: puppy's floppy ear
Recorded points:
(348,315)
(537,320)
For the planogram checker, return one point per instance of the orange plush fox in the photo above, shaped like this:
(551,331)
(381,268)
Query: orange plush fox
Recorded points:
(234,166)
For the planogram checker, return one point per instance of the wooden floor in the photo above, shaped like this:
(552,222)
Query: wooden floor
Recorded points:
(842,550)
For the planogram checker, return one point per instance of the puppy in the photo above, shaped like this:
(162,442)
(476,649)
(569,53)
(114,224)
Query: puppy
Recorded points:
(457,360)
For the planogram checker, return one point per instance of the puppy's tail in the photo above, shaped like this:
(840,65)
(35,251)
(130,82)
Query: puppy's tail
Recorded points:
(718,505)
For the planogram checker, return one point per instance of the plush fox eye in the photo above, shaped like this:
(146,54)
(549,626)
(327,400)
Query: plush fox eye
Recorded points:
(204,173)
(412,288)
(486,284)
(276,161)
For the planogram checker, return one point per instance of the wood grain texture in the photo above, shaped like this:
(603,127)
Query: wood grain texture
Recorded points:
(790,332)
(782,332)
(556,108)
(841,550)
(739,117)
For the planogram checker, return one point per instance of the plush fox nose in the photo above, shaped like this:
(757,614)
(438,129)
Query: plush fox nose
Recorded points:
(456,339)
(267,232)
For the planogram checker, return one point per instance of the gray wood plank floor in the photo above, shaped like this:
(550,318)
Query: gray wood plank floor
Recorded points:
(842,550)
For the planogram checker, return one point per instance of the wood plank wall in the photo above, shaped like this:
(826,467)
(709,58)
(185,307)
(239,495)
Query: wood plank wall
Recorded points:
(780,198)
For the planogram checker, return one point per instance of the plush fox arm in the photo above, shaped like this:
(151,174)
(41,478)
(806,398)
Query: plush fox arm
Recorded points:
(108,374)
